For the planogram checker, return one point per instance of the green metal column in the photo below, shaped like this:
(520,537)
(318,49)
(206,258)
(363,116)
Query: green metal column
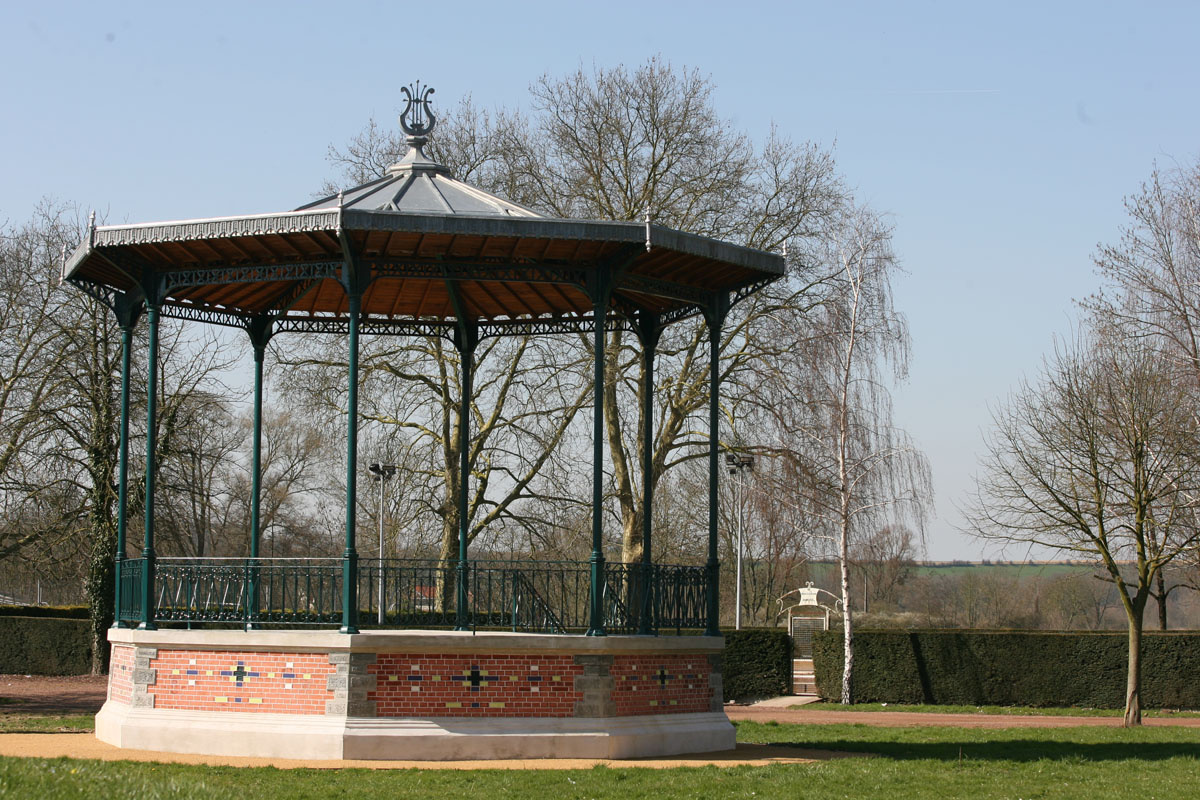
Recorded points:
(596,606)
(127,316)
(147,621)
(260,334)
(465,340)
(715,319)
(649,334)
(350,556)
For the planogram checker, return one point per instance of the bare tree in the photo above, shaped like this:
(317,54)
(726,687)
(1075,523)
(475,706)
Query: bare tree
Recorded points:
(623,144)
(883,560)
(856,469)
(1098,458)
(1152,274)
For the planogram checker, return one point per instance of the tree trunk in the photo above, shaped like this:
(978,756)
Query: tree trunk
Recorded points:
(848,623)
(1161,597)
(1133,686)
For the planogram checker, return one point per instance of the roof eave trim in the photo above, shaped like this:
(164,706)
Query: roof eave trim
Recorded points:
(73,264)
(218,228)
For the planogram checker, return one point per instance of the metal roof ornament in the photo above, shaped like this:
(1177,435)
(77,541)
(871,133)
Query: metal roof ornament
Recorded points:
(417,120)
(423,118)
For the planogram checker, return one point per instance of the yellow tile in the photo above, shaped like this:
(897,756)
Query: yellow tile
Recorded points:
(256,700)
(453,705)
(495,705)
(221,699)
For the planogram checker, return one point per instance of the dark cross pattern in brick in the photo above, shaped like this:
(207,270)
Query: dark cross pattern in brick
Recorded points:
(240,673)
(663,677)
(475,677)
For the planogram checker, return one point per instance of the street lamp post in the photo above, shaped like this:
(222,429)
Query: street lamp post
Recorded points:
(738,464)
(381,473)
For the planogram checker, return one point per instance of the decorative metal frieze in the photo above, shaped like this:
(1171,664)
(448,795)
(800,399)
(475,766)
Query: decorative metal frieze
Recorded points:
(674,315)
(657,287)
(540,326)
(252,273)
(283,301)
(372,326)
(218,228)
(105,294)
(208,316)
(504,271)
(749,289)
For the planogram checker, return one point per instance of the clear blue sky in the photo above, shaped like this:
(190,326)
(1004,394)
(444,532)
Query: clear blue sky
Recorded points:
(1001,138)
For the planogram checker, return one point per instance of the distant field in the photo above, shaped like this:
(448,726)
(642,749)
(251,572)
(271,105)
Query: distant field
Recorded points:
(825,572)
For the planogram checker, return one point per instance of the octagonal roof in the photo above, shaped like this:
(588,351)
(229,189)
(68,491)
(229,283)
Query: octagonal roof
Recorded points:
(425,248)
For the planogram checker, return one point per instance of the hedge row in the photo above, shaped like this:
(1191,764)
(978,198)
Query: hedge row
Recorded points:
(62,612)
(757,663)
(45,646)
(1009,668)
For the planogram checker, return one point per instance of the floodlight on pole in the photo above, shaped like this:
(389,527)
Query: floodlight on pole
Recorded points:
(381,473)
(738,464)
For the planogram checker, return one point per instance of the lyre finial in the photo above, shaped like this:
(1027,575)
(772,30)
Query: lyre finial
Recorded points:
(417,104)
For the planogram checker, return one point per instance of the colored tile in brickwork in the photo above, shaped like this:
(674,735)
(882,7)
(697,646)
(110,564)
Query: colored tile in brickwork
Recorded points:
(293,683)
(501,685)
(660,684)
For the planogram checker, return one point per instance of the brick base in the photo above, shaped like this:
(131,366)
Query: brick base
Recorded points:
(387,687)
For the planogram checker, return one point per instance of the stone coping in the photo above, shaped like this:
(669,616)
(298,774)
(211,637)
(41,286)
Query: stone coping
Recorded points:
(414,641)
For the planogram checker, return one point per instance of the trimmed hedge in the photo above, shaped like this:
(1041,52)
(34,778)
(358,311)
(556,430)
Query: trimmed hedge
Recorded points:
(62,612)
(757,663)
(45,646)
(1009,668)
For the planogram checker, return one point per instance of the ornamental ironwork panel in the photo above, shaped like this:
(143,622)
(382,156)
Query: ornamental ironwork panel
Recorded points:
(525,596)
(129,574)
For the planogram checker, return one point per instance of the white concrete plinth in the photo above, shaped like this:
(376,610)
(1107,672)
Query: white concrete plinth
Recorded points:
(443,739)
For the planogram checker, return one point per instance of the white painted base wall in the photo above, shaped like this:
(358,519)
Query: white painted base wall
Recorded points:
(438,739)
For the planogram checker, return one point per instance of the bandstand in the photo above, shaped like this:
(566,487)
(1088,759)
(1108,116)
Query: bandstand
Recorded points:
(262,656)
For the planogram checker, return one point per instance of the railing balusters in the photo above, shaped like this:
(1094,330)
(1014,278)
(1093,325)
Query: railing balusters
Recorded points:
(517,595)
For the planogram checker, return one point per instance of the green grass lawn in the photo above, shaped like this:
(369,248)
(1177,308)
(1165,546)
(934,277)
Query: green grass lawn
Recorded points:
(43,723)
(1002,710)
(1086,763)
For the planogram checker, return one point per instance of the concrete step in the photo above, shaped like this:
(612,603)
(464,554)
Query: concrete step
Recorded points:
(804,681)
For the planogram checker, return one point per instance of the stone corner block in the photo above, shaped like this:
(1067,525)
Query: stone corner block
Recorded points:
(594,664)
(141,701)
(145,677)
(360,708)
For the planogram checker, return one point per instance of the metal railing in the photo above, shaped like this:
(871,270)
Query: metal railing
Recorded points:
(527,596)
(129,574)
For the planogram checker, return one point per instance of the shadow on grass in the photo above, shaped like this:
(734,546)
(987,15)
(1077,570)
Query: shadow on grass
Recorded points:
(1019,750)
